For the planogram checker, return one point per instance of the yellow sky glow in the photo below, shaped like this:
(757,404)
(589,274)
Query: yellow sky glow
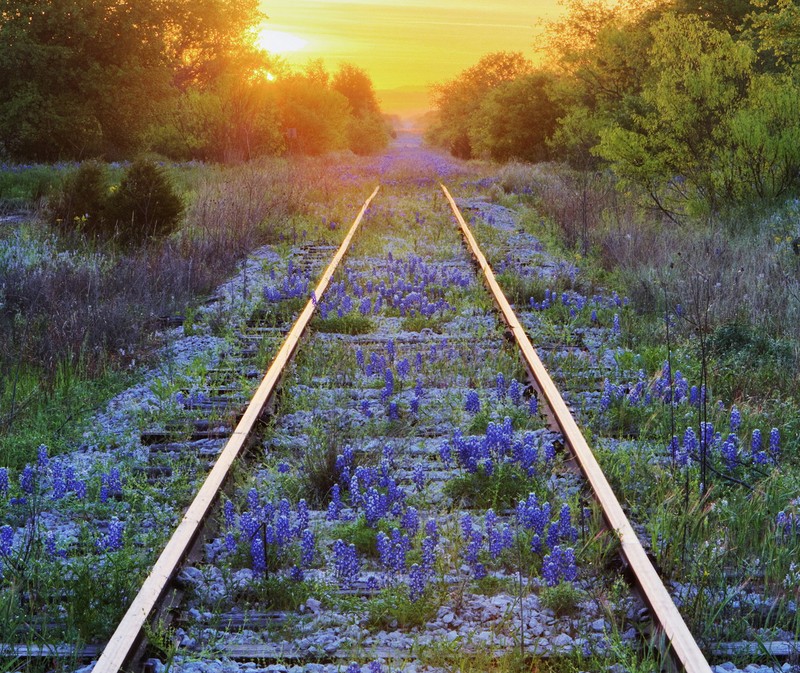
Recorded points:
(412,43)
(278,41)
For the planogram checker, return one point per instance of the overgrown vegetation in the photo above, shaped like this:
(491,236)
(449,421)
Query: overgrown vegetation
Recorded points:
(196,87)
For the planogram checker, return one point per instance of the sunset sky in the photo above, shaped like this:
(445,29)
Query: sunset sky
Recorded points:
(410,43)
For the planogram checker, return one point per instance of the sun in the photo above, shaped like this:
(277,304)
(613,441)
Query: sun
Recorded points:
(278,41)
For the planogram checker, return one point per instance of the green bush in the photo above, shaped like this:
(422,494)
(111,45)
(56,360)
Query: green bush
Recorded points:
(145,206)
(81,202)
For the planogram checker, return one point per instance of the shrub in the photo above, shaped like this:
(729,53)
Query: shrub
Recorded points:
(145,206)
(81,202)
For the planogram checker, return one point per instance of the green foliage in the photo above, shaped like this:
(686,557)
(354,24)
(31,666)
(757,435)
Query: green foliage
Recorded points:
(352,323)
(515,120)
(82,200)
(393,608)
(562,599)
(458,100)
(77,83)
(502,489)
(315,116)
(145,206)
(700,76)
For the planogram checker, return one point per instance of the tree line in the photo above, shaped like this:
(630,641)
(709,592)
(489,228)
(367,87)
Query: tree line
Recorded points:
(112,79)
(695,102)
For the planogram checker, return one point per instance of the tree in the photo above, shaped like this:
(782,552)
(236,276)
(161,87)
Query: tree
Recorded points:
(727,15)
(356,86)
(315,118)
(81,78)
(515,120)
(699,78)
(457,100)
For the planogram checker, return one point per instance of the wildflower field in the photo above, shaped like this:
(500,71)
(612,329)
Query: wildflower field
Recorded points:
(407,506)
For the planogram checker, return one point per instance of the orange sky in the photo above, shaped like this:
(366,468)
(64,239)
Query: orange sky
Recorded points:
(407,44)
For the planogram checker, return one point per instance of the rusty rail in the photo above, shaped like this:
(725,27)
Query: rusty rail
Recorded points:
(682,645)
(123,642)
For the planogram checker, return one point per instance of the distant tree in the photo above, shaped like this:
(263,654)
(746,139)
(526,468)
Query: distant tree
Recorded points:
(457,100)
(315,118)
(81,78)
(356,86)
(515,120)
(699,78)
(727,15)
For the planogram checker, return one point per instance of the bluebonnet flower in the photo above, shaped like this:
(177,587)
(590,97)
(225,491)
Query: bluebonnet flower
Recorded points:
(736,419)
(759,456)
(473,403)
(515,392)
(445,454)
(258,555)
(774,443)
(27,479)
(418,361)
(694,396)
(410,521)
(616,327)
(376,506)
(335,505)
(365,408)
(375,667)
(230,542)
(605,398)
(283,467)
(681,388)
(566,531)
(59,483)
(112,540)
(253,502)
(690,446)
(730,452)
(360,357)
(307,547)
(42,459)
(388,388)
(416,582)
(533,516)
(4,482)
(6,540)
(593,317)
(418,476)
(786,521)
(498,538)
(428,552)
(559,565)
(549,451)
(230,514)
(533,405)
(80,490)
(365,308)
(394,413)
(500,385)
(403,368)
(50,544)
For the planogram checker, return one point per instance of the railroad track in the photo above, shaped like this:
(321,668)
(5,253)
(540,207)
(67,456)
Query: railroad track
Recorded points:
(391,430)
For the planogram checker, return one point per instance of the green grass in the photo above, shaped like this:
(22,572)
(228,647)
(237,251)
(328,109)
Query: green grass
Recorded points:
(502,489)
(34,410)
(352,324)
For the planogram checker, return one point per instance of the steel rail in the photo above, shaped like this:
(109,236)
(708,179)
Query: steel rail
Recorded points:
(683,645)
(121,646)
